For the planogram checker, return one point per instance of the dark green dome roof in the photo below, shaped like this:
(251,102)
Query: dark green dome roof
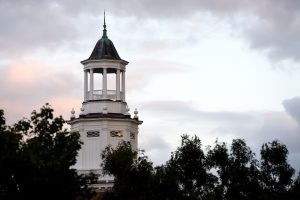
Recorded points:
(104,48)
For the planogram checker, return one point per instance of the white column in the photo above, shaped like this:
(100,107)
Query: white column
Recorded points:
(118,84)
(104,83)
(91,84)
(85,83)
(123,85)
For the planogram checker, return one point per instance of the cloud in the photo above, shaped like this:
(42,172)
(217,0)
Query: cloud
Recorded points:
(31,25)
(269,26)
(256,127)
(26,86)
(276,28)
(157,148)
(143,72)
(179,109)
(292,107)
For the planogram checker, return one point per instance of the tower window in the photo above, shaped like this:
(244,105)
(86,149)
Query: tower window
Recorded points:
(116,134)
(92,134)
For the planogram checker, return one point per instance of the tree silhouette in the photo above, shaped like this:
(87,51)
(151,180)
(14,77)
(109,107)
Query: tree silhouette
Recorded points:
(36,159)
(191,174)
(276,173)
(132,172)
(237,171)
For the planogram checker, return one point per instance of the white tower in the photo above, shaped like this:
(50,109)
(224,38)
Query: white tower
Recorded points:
(104,119)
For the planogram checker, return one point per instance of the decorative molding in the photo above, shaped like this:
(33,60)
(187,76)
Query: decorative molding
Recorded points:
(117,133)
(92,133)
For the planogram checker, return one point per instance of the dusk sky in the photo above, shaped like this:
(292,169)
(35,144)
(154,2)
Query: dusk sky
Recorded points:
(215,68)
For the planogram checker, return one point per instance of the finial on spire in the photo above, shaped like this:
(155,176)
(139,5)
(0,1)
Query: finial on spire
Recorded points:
(104,20)
(104,28)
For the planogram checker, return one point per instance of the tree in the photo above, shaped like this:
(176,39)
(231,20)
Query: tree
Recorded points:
(295,190)
(276,173)
(190,174)
(165,183)
(218,160)
(238,174)
(9,147)
(187,165)
(244,175)
(131,170)
(42,156)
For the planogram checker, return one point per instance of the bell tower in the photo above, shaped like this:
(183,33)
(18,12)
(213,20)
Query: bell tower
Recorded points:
(104,119)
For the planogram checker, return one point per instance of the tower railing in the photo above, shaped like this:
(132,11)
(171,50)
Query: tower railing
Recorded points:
(111,94)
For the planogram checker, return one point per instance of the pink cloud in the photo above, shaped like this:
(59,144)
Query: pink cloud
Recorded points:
(28,85)
(23,73)
(63,106)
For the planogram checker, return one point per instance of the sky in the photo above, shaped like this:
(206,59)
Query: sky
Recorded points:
(216,69)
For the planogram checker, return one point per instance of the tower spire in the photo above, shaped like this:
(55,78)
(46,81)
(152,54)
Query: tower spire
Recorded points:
(104,28)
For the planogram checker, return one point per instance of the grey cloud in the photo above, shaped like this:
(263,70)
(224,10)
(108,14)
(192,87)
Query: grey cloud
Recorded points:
(153,144)
(278,126)
(292,106)
(142,71)
(157,150)
(38,24)
(221,123)
(28,25)
(271,26)
(257,127)
(155,147)
(180,109)
(277,29)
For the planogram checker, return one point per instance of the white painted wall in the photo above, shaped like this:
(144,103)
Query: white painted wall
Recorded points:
(89,155)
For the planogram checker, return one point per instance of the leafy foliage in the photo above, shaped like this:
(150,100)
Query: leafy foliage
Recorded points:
(9,148)
(132,172)
(237,170)
(276,172)
(188,164)
(36,156)
(191,174)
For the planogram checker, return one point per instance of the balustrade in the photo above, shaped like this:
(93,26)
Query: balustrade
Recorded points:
(111,94)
